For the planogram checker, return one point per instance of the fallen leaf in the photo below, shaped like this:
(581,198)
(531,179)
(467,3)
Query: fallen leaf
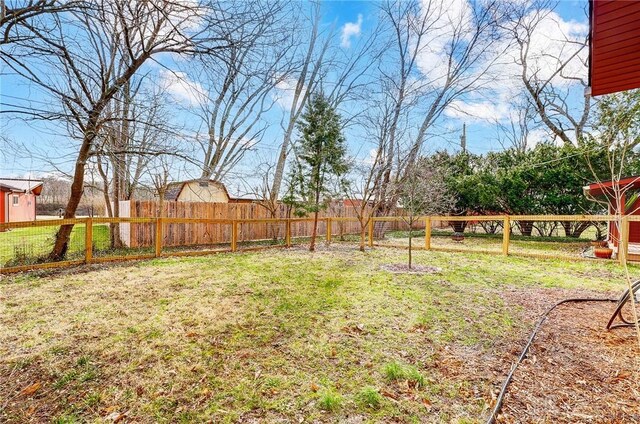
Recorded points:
(116,416)
(31,389)
(388,394)
(426,402)
(314,387)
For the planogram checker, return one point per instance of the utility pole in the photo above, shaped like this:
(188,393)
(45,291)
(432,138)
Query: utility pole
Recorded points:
(463,138)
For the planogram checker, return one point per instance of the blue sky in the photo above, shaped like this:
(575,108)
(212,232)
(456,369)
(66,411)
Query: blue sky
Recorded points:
(50,143)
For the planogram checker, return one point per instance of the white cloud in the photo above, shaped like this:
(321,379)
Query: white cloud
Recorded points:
(537,136)
(478,111)
(349,30)
(285,92)
(181,88)
(445,19)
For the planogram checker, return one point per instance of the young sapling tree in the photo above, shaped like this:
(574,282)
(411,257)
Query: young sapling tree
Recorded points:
(422,191)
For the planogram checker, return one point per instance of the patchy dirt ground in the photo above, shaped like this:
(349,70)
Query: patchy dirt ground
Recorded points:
(292,336)
(415,269)
(576,371)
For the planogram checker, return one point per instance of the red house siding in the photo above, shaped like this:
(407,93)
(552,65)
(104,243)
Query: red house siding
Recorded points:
(3,210)
(634,227)
(615,46)
(26,208)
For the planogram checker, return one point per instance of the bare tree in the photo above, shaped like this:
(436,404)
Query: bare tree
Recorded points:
(305,82)
(162,172)
(237,85)
(550,71)
(364,183)
(321,66)
(83,73)
(16,16)
(516,132)
(138,129)
(439,54)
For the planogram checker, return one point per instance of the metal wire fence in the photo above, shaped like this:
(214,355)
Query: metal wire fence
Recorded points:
(28,245)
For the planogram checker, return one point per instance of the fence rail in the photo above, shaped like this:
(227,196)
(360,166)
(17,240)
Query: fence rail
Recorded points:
(97,240)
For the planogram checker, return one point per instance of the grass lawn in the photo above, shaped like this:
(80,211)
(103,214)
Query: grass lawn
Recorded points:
(274,336)
(559,246)
(22,246)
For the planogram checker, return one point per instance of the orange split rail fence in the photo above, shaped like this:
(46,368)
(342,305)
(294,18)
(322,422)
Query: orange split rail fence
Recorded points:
(26,245)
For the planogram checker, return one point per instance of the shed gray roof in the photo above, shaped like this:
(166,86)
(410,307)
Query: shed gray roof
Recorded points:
(19,185)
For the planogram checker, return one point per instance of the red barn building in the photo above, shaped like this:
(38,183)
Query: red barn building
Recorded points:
(614,59)
(18,199)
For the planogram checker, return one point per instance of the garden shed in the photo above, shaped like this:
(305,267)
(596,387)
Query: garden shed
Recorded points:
(18,199)
(628,190)
(197,191)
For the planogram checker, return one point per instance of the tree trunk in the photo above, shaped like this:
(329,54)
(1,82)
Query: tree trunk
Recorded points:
(576,229)
(114,227)
(410,248)
(314,231)
(90,132)
(459,226)
(363,232)
(62,236)
(526,227)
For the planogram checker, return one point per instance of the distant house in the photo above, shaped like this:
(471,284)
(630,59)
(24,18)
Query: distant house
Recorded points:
(210,191)
(18,199)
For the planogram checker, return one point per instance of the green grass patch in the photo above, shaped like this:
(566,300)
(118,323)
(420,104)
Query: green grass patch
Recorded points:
(276,335)
(31,245)
(395,371)
(369,397)
(330,400)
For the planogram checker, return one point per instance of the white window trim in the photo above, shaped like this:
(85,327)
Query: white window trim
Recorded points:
(15,197)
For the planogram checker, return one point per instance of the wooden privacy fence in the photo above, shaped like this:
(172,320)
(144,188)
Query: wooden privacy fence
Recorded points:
(159,236)
(206,214)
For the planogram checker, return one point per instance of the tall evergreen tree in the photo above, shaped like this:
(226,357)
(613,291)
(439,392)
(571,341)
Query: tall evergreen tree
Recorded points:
(320,160)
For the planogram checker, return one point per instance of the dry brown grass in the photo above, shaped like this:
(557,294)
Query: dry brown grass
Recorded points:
(278,336)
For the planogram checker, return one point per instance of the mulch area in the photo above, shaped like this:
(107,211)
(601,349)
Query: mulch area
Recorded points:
(576,371)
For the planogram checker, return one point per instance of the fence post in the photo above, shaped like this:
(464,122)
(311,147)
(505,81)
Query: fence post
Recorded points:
(623,245)
(427,233)
(371,232)
(506,235)
(288,232)
(328,229)
(159,225)
(88,240)
(234,236)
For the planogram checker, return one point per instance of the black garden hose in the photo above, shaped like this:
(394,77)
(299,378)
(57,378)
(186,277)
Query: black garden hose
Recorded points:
(503,390)
(635,287)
